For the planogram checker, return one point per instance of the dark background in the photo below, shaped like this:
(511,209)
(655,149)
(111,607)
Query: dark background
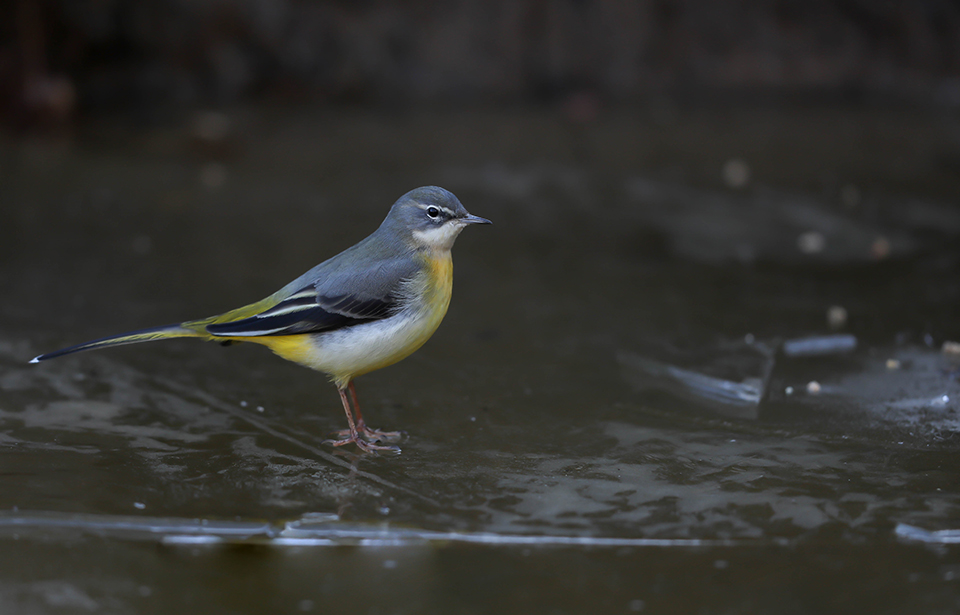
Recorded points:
(70,60)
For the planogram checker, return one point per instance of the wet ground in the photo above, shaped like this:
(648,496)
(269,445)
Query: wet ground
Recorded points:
(615,416)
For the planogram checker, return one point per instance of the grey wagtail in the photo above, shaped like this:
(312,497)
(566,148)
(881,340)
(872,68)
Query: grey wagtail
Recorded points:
(368,307)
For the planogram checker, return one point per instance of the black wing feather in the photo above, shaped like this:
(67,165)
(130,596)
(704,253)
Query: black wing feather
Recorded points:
(302,315)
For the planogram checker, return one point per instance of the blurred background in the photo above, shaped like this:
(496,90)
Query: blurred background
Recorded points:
(711,340)
(63,62)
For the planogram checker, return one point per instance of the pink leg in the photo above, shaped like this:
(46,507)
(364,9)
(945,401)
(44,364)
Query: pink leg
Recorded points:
(365,432)
(353,434)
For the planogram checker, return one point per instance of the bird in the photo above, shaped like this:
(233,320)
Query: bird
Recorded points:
(366,308)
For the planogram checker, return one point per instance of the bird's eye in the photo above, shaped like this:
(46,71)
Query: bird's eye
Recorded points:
(433,212)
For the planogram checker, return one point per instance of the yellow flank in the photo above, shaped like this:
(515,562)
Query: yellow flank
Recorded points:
(294,348)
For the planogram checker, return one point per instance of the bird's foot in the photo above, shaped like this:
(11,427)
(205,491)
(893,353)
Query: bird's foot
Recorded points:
(372,435)
(362,443)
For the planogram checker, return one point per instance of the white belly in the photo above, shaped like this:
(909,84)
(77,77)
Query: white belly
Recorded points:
(352,352)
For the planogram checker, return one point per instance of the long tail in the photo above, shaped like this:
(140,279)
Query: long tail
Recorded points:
(190,328)
(134,337)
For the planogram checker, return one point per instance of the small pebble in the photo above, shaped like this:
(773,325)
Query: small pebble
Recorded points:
(736,173)
(788,391)
(893,364)
(259,408)
(139,505)
(951,348)
(836,316)
(813,387)
(811,242)
(749,339)
(880,248)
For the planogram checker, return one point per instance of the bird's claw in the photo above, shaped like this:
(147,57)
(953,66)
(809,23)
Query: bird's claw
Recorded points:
(371,435)
(363,444)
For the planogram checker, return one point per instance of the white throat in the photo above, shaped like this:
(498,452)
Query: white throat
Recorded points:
(439,237)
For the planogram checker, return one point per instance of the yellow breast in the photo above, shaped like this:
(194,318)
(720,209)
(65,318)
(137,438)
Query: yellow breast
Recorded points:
(438,285)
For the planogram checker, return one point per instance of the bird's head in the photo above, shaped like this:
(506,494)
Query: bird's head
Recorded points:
(429,217)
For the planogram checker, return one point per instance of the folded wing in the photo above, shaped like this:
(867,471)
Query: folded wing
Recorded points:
(328,304)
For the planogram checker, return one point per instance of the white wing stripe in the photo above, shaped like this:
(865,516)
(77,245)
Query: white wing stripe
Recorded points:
(250,333)
(285,309)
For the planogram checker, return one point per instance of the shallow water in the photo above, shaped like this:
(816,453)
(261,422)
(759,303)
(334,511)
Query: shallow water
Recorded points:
(540,472)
